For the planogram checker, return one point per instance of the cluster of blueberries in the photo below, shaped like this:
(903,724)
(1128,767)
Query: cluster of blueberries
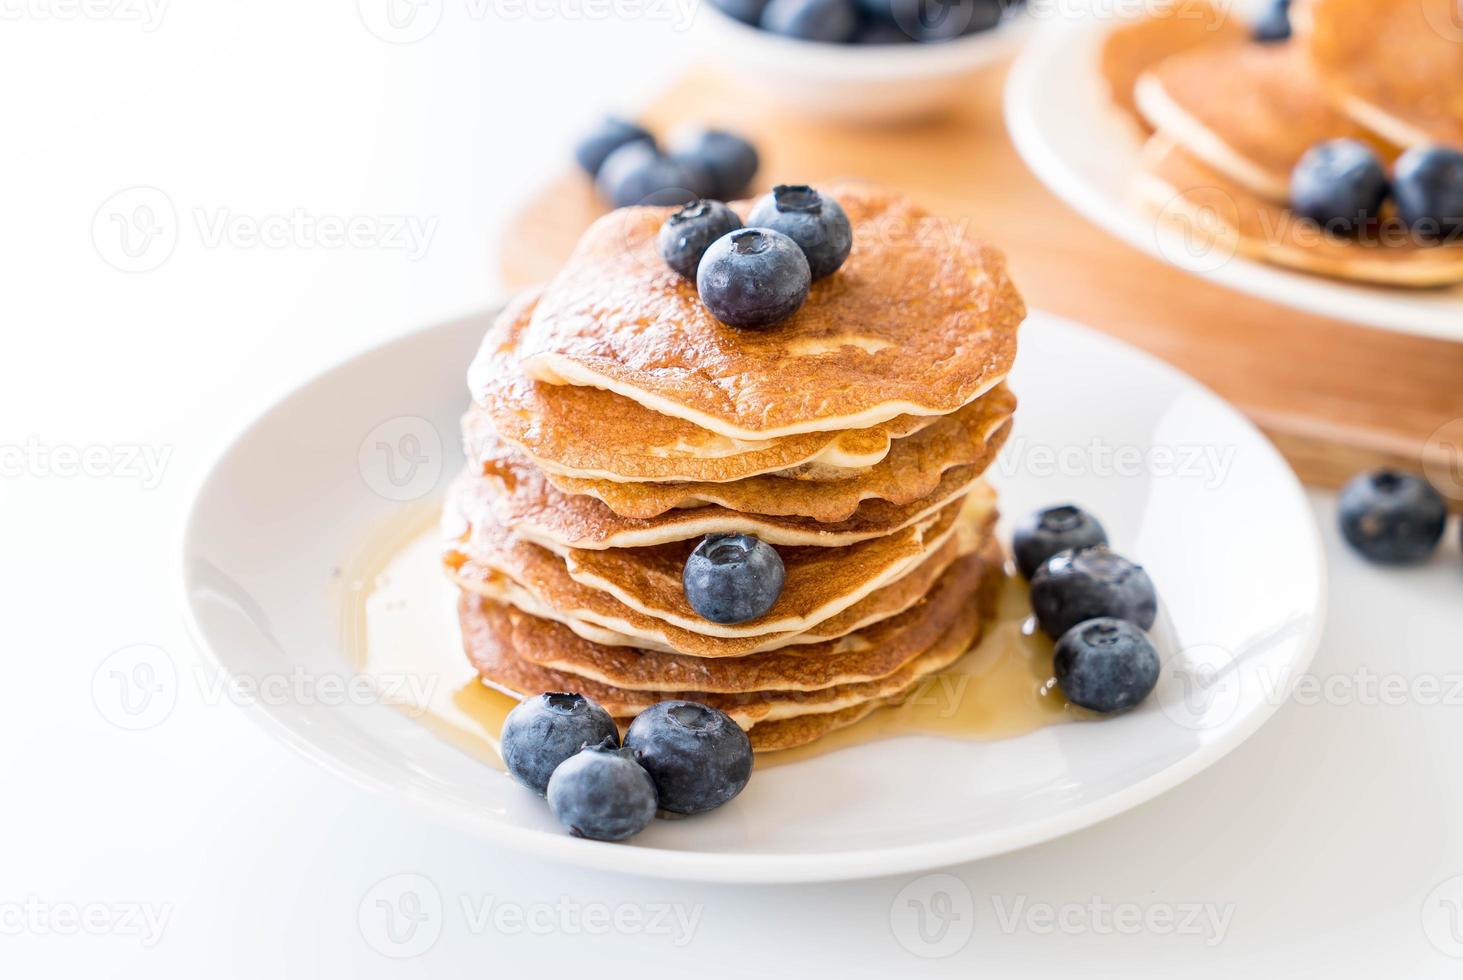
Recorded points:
(1392,518)
(1341,185)
(756,276)
(629,167)
(868,21)
(678,757)
(1096,604)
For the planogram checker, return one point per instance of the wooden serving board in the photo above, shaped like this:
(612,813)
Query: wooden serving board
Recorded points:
(1335,398)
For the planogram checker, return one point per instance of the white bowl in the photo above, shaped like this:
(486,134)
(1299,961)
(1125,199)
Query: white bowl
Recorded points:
(870,83)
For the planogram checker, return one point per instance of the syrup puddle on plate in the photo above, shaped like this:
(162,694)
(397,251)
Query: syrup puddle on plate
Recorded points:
(400,629)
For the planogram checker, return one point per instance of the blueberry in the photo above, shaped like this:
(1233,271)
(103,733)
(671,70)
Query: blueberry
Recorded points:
(732,578)
(1074,586)
(1051,530)
(542,732)
(602,793)
(1428,189)
(811,20)
(815,222)
(754,277)
(1274,23)
(689,232)
(730,160)
(746,11)
(1339,184)
(943,20)
(1391,517)
(697,755)
(611,134)
(880,32)
(638,173)
(1105,664)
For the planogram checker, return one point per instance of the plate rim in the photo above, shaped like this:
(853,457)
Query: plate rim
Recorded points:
(1240,274)
(758,867)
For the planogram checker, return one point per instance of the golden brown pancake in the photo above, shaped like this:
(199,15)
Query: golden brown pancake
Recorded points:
(494,634)
(1248,111)
(589,433)
(1200,202)
(1135,46)
(920,320)
(911,471)
(869,654)
(1395,66)
(522,498)
(789,733)
(495,564)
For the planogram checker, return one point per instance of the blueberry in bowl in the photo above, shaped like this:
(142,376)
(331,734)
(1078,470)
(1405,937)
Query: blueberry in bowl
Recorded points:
(602,793)
(1392,518)
(733,578)
(1106,665)
(698,757)
(1074,586)
(833,21)
(1050,530)
(689,232)
(542,732)
(817,223)
(753,278)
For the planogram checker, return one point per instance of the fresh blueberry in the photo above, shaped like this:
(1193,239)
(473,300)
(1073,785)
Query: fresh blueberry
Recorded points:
(943,20)
(689,232)
(1339,184)
(638,173)
(811,20)
(815,222)
(753,278)
(730,159)
(1428,189)
(1274,23)
(1074,586)
(880,32)
(1391,517)
(746,11)
(1105,664)
(697,755)
(542,732)
(602,793)
(611,134)
(732,578)
(1051,530)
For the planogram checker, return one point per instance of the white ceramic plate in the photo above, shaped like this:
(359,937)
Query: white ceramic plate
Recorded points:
(1182,482)
(1083,151)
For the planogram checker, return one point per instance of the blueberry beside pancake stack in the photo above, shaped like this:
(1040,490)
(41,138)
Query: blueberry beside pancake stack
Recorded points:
(620,430)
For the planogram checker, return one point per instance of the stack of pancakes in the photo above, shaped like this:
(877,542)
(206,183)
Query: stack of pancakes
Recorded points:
(1227,119)
(615,423)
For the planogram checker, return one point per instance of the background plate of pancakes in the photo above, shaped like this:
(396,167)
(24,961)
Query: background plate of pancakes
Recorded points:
(1182,482)
(1084,137)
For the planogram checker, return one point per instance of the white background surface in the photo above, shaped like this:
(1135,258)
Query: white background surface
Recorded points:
(1321,839)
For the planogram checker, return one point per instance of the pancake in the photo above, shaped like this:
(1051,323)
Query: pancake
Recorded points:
(496,565)
(1137,45)
(869,654)
(1395,66)
(522,498)
(777,736)
(1229,218)
(591,434)
(494,634)
(1248,111)
(921,320)
(911,471)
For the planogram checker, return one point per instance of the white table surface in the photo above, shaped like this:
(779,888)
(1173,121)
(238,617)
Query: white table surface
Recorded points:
(201,847)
